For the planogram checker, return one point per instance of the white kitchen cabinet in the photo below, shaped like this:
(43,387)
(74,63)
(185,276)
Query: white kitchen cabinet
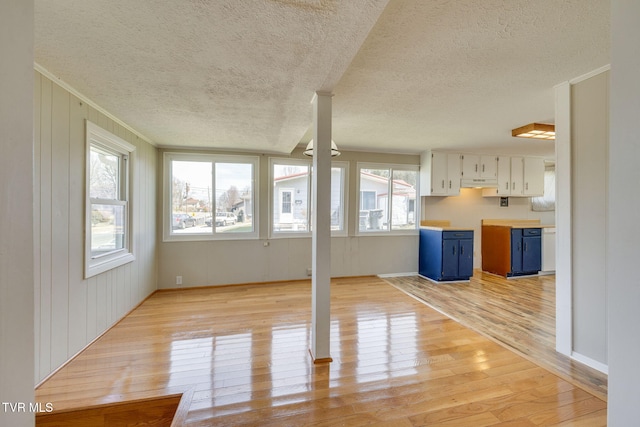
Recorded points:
(518,176)
(533,176)
(439,174)
(476,166)
(504,176)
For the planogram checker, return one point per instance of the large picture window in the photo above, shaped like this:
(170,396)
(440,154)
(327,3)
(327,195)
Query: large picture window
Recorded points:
(292,199)
(387,201)
(210,197)
(108,230)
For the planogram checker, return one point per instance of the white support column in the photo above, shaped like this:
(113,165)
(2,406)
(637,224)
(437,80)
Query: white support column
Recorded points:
(321,224)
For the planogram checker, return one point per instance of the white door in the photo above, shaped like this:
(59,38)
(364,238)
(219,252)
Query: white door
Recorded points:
(286,206)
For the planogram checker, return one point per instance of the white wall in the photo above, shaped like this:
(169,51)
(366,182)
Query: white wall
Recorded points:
(589,170)
(582,124)
(71,311)
(623,251)
(470,208)
(16,202)
(247,261)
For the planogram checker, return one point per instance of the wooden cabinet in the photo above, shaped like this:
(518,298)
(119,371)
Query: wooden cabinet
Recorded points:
(446,255)
(439,174)
(511,251)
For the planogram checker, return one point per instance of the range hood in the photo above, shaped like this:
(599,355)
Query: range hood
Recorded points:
(479,183)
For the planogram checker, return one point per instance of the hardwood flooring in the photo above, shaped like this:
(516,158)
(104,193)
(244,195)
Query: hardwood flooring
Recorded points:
(243,353)
(518,312)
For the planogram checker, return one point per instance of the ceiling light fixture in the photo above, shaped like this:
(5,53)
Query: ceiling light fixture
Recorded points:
(536,131)
(309,150)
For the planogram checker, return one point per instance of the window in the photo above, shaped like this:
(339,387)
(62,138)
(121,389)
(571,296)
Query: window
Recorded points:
(387,198)
(546,202)
(292,199)
(108,231)
(210,197)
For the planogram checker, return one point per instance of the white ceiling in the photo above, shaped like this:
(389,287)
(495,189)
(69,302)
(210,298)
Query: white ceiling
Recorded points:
(407,75)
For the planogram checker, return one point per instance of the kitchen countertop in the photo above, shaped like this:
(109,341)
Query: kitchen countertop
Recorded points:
(516,223)
(441,225)
(445,228)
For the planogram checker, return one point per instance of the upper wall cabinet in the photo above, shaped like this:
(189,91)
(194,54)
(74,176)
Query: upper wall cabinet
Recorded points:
(533,176)
(518,177)
(478,171)
(475,166)
(439,174)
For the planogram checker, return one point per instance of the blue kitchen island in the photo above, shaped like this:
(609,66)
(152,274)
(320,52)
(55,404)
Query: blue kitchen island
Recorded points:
(445,253)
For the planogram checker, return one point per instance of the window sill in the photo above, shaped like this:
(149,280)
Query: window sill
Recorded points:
(98,266)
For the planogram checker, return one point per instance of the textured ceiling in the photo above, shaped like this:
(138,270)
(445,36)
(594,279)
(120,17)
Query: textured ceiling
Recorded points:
(407,74)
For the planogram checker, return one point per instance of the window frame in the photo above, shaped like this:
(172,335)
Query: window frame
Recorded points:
(167,214)
(344,185)
(102,139)
(546,202)
(388,230)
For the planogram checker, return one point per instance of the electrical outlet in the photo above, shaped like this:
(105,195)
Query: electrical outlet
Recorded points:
(178,280)
(309,271)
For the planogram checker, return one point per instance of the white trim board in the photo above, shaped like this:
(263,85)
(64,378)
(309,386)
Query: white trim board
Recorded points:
(598,366)
(382,276)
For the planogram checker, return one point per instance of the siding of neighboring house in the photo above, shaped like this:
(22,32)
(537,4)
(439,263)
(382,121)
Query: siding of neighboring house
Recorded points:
(300,187)
(72,311)
(402,207)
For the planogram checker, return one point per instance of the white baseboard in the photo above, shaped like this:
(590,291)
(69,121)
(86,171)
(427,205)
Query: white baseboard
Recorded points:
(397,274)
(598,366)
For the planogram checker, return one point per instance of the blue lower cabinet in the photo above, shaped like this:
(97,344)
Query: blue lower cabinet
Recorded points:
(526,251)
(446,255)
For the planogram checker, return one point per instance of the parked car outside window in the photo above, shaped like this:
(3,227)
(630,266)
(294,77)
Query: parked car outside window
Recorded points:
(183,221)
(225,218)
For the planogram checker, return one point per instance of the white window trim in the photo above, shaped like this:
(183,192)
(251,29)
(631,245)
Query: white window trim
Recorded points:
(307,234)
(389,231)
(95,135)
(345,199)
(168,157)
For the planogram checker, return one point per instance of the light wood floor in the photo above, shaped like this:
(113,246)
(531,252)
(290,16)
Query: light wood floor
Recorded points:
(519,313)
(243,352)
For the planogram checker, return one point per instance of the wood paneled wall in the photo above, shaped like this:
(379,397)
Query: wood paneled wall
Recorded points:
(71,311)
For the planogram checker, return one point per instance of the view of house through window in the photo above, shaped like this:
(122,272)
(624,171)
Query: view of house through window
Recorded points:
(211,195)
(387,199)
(291,188)
(292,198)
